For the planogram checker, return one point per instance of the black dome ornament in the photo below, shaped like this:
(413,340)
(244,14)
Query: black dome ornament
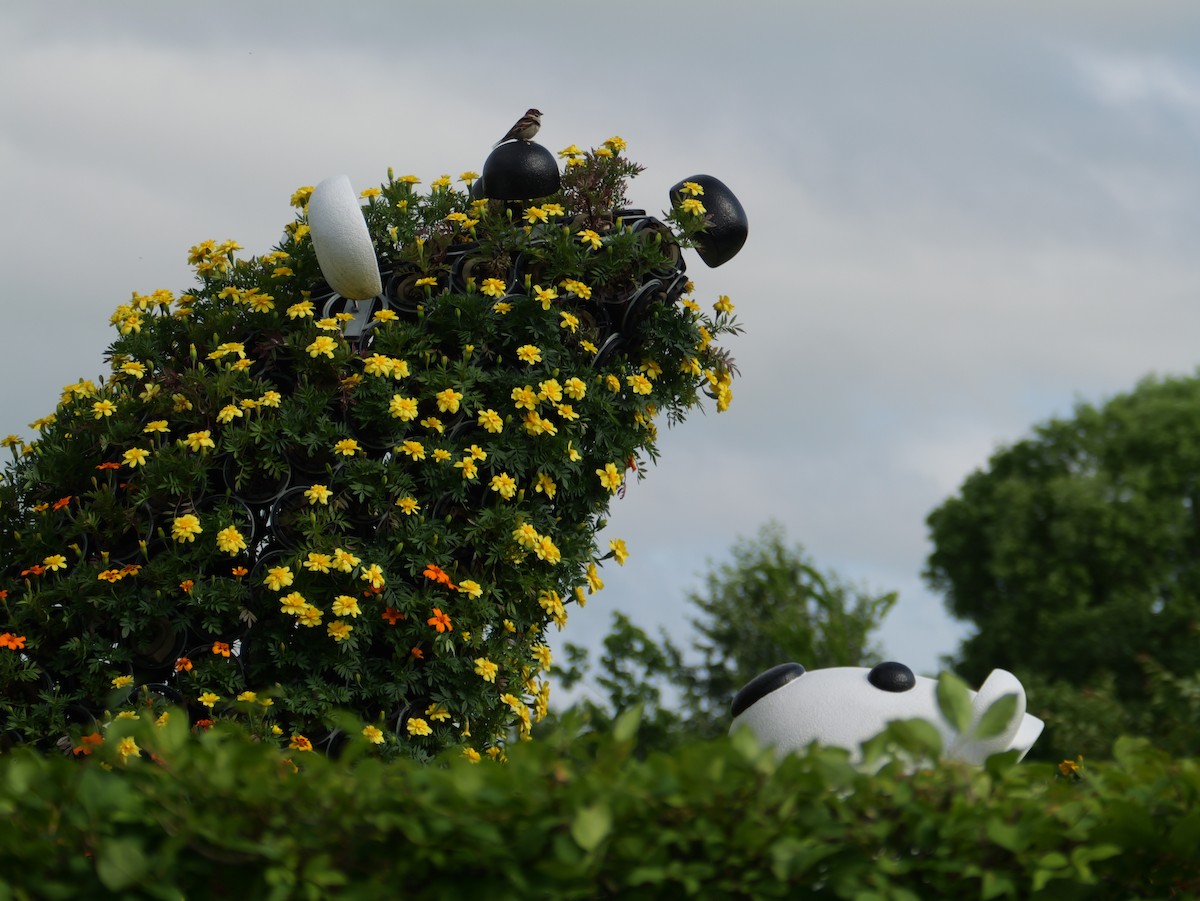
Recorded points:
(519,170)
(728,226)
(892,676)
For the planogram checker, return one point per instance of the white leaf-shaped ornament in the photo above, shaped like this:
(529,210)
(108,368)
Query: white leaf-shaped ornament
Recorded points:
(341,240)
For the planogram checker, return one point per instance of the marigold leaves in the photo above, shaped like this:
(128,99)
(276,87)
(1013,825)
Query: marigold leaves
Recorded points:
(997,717)
(121,863)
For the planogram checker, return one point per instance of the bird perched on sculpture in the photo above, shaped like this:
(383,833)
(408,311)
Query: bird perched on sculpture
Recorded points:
(525,128)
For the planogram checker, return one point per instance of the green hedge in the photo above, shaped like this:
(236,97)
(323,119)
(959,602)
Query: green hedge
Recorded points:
(582,817)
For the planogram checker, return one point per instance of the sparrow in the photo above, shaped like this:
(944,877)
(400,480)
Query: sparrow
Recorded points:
(527,126)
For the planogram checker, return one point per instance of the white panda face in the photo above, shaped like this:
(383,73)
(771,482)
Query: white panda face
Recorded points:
(789,708)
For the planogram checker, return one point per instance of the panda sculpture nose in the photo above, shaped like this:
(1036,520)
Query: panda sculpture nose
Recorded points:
(892,676)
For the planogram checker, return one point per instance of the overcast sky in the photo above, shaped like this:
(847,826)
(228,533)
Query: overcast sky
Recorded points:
(964,218)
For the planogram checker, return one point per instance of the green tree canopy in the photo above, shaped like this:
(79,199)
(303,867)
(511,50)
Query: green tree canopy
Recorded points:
(1076,553)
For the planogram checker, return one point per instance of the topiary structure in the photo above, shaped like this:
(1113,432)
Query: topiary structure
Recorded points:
(283,503)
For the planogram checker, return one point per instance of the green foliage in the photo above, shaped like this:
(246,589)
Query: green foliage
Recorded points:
(768,605)
(225,816)
(449,464)
(1075,554)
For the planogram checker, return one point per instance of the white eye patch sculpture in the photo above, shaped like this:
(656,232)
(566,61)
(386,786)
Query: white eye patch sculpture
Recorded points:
(788,708)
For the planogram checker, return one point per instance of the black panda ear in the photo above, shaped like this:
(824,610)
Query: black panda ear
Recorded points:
(763,684)
(892,676)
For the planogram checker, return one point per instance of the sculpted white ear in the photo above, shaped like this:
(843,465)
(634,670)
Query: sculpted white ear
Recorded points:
(341,240)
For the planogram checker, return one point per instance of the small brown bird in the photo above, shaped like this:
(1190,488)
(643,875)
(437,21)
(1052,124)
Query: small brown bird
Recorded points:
(527,126)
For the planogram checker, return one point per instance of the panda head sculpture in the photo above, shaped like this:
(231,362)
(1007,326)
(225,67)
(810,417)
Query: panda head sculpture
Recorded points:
(788,708)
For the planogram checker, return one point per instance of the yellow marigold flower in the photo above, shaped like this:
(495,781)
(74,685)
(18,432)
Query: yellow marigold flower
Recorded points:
(230,540)
(610,476)
(567,412)
(408,505)
(409,180)
(692,207)
(541,653)
(345,605)
(469,177)
(504,485)
(550,390)
(616,144)
(535,214)
(490,420)
(568,321)
(185,528)
(526,535)
(437,712)
(373,575)
(293,603)
(102,408)
(127,747)
(338,630)
(690,187)
(535,424)
(228,413)
(413,448)
(448,400)
(301,195)
(310,616)
(200,441)
(318,562)
(545,485)
(318,494)
(427,281)
(470,588)
(344,561)
(378,364)
(723,304)
(347,447)
(493,287)
(472,755)
(373,734)
(639,384)
(574,388)
(135,457)
(441,455)
(278,577)
(529,353)
(270,399)
(163,719)
(433,424)
(300,743)
(385,316)
(442,181)
(595,583)
(578,288)
(149,392)
(612,382)
(468,467)
(122,681)
(544,296)
(603,153)
(134,368)
(525,397)
(302,310)
(620,552)
(322,344)
(367,193)
(486,669)
(547,550)
(403,408)
(502,307)
(208,699)
(587,236)
(418,726)
(570,151)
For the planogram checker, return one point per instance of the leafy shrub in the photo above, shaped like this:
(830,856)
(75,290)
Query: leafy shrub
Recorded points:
(571,817)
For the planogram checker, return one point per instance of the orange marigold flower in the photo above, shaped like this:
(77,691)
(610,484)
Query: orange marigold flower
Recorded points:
(204,724)
(12,641)
(36,570)
(187,585)
(62,502)
(109,466)
(221,648)
(239,571)
(391,614)
(3,594)
(300,743)
(440,621)
(417,652)
(88,742)
(183,665)
(436,573)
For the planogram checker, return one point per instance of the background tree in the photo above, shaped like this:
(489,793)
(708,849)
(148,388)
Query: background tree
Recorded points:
(768,604)
(1076,553)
